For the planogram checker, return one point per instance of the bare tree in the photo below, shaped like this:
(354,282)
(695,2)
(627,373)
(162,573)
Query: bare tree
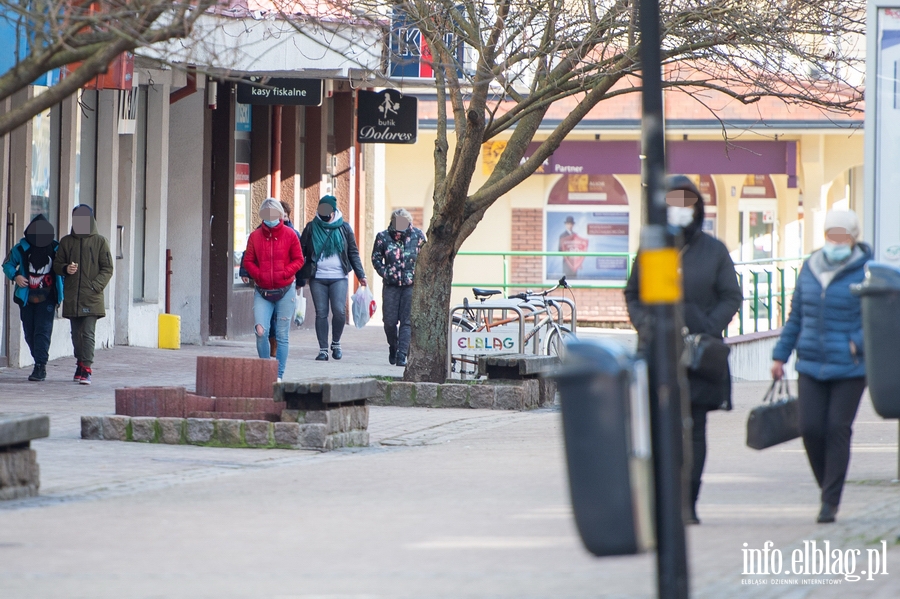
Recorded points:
(523,56)
(58,33)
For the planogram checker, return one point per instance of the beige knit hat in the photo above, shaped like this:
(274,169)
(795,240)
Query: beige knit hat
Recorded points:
(845,219)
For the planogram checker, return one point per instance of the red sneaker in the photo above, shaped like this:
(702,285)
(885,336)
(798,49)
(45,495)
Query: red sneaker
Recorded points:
(85,375)
(79,373)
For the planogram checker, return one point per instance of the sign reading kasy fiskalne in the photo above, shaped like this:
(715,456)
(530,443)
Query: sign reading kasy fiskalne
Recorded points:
(386,117)
(281,91)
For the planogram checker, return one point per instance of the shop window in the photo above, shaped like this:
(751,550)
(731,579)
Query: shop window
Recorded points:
(242,209)
(45,157)
(587,213)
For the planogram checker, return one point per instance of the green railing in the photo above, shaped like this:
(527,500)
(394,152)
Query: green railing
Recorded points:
(767,289)
(765,284)
(506,284)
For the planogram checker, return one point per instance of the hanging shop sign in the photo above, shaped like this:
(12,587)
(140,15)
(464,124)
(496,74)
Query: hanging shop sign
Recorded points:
(386,117)
(280,91)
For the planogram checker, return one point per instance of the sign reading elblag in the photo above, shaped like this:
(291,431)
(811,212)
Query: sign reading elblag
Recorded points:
(280,91)
(386,117)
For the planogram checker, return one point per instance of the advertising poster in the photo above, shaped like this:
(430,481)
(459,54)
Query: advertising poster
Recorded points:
(586,231)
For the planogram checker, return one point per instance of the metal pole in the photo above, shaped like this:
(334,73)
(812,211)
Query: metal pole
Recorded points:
(660,290)
(755,302)
(168,281)
(783,296)
(505,276)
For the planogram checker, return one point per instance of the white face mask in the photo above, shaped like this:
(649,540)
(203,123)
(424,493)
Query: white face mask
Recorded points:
(680,216)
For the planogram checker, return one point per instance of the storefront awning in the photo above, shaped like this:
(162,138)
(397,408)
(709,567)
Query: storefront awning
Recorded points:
(694,157)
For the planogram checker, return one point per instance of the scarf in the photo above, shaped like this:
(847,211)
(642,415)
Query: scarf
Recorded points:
(825,270)
(398,235)
(327,240)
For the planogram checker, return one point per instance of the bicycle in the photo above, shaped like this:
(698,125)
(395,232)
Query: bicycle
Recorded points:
(548,333)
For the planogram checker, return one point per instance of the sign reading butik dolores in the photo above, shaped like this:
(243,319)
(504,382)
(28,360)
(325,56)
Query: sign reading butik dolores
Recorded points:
(281,91)
(386,117)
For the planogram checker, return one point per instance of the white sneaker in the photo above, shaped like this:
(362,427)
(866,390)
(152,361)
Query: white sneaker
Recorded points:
(278,380)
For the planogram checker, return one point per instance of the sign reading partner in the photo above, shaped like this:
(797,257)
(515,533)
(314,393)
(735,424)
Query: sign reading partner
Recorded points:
(386,117)
(280,91)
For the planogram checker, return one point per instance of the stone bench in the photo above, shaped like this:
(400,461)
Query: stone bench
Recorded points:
(522,367)
(515,366)
(19,471)
(331,413)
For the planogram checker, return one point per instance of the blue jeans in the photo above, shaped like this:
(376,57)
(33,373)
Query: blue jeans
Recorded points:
(283,312)
(37,323)
(325,292)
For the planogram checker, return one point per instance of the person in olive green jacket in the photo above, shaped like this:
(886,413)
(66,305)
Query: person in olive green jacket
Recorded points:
(84,262)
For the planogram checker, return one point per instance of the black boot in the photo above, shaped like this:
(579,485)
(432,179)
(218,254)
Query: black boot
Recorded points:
(39,373)
(392,355)
(692,516)
(827,513)
(401,359)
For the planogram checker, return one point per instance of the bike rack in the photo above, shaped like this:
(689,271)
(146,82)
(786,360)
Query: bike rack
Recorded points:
(559,312)
(489,307)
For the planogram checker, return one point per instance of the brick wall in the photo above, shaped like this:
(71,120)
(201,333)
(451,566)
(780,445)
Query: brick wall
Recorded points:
(527,236)
(593,305)
(416,214)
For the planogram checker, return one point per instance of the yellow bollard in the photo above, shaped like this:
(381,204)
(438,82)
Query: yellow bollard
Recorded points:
(169,331)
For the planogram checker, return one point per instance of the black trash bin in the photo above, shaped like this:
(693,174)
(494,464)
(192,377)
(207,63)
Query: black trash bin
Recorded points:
(880,297)
(606,422)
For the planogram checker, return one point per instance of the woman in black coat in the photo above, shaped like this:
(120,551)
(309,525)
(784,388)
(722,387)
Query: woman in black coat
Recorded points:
(712,296)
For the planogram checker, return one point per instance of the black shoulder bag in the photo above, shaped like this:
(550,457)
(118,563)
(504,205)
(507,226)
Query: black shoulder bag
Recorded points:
(705,355)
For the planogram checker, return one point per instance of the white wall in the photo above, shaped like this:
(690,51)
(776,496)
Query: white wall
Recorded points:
(751,360)
(185,212)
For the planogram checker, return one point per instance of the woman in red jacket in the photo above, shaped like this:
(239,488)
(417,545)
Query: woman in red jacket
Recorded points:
(272,259)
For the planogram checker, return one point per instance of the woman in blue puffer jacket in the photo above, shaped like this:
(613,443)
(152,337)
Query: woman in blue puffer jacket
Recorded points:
(825,327)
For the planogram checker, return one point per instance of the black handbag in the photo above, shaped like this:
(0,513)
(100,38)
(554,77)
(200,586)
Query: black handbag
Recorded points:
(706,356)
(777,420)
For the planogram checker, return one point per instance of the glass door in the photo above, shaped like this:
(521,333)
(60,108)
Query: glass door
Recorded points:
(757,229)
(757,238)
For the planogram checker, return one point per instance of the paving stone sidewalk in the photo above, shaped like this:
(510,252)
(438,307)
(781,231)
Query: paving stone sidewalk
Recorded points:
(446,503)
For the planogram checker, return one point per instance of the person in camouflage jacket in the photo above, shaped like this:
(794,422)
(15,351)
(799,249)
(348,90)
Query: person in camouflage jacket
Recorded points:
(394,258)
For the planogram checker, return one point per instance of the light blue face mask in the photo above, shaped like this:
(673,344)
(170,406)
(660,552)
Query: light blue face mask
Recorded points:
(271,223)
(836,252)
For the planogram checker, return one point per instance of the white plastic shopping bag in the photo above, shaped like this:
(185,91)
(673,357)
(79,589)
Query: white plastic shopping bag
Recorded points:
(363,306)
(300,314)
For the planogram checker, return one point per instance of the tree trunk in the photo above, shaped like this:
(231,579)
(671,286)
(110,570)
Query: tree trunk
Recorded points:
(431,307)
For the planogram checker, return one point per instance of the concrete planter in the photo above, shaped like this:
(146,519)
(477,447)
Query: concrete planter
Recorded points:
(524,394)
(323,430)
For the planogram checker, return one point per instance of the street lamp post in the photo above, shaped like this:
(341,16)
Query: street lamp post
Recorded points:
(660,290)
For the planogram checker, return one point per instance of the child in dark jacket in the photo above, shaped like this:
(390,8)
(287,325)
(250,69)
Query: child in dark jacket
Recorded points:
(38,291)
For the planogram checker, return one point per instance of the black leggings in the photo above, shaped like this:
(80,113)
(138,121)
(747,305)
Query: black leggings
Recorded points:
(698,448)
(827,410)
